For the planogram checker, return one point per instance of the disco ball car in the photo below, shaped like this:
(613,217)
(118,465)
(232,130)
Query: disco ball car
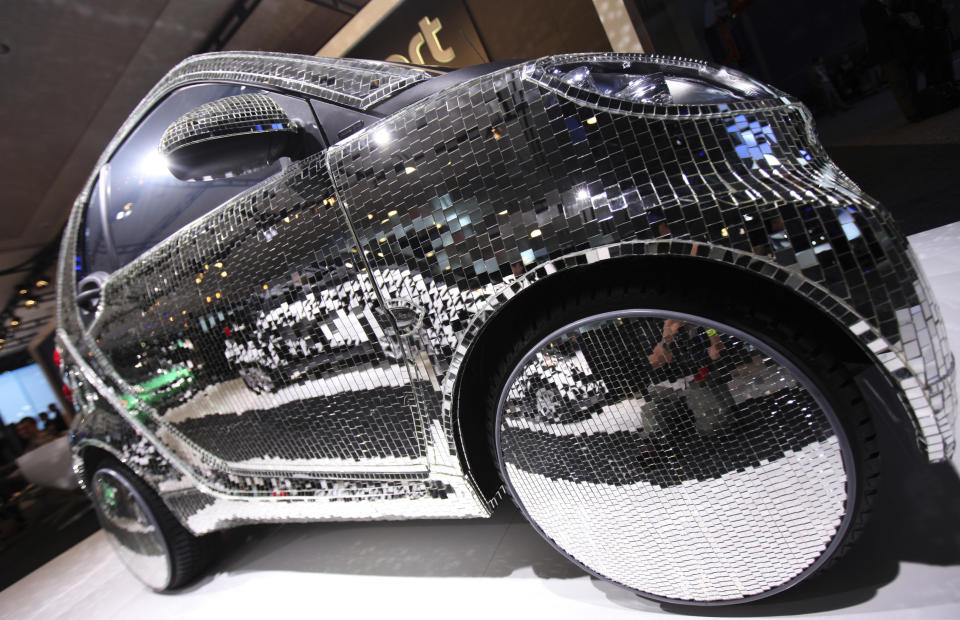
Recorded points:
(632,293)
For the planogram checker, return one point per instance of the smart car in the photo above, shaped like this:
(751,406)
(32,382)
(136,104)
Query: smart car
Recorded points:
(305,289)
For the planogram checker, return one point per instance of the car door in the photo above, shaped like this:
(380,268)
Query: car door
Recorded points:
(238,314)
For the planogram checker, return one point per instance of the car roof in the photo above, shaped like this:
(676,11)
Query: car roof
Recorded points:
(350,82)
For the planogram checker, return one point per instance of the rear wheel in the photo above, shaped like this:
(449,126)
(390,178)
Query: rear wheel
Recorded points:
(730,456)
(260,380)
(156,548)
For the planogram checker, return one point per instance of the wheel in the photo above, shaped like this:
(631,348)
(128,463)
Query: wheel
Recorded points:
(548,402)
(156,548)
(731,455)
(259,380)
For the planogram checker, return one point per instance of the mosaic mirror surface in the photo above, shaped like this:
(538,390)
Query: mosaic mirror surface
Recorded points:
(293,343)
(132,531)
(673,457)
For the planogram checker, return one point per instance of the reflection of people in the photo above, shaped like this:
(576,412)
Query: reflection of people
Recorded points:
(662,354)
(689,351)
(30,435)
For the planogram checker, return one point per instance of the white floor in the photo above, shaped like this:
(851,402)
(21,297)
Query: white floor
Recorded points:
(906,566)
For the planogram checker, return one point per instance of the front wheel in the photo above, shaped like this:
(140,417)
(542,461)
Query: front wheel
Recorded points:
(730,457)
(153,545)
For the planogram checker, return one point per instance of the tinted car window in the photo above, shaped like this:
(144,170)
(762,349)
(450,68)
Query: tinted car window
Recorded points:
(146,203)
(94,253)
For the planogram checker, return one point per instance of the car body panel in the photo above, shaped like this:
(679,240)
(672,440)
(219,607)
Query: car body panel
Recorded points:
(744,184)
(386,270)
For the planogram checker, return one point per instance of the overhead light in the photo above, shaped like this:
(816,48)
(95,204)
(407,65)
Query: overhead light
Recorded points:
(409,169)
(42,283)
(24,291)
(592,120)
(30,303)
(381,137)
(14,323)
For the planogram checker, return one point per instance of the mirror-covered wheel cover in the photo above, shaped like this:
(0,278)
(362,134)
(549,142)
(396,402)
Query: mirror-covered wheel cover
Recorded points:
(147,537)
(249,368)
(760,464)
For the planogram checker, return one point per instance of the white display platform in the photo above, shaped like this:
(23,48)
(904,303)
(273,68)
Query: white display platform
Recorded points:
(50,465)
(906,566)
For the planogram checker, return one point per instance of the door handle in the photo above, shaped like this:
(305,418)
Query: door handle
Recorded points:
(406,318)
(400,315)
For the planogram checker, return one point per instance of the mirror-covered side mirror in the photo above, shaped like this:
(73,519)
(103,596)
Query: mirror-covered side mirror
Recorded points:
(229,136)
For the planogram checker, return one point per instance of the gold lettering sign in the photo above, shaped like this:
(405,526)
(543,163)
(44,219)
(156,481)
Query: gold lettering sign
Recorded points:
(429,28)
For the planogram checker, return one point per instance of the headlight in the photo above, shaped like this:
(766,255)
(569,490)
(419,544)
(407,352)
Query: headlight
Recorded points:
(651,81)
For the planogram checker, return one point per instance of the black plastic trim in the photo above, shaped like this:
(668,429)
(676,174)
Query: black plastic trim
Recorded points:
(425,88)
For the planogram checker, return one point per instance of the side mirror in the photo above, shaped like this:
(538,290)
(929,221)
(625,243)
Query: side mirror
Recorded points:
(229,136)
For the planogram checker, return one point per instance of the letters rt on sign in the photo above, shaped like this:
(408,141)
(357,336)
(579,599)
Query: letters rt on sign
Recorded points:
(424,32)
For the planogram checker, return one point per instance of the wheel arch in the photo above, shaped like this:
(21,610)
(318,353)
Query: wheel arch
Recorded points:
(491,335)
(87,456)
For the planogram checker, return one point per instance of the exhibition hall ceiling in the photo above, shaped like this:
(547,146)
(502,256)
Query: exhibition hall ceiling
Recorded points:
(71,71)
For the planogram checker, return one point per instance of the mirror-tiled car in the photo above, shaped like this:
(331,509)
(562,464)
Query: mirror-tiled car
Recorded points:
(631,293)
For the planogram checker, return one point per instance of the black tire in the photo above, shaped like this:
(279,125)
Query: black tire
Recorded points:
(817,372)
(156,548)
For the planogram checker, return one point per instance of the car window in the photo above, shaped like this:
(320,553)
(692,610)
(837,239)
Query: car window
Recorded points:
(145,203)
(93,251)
